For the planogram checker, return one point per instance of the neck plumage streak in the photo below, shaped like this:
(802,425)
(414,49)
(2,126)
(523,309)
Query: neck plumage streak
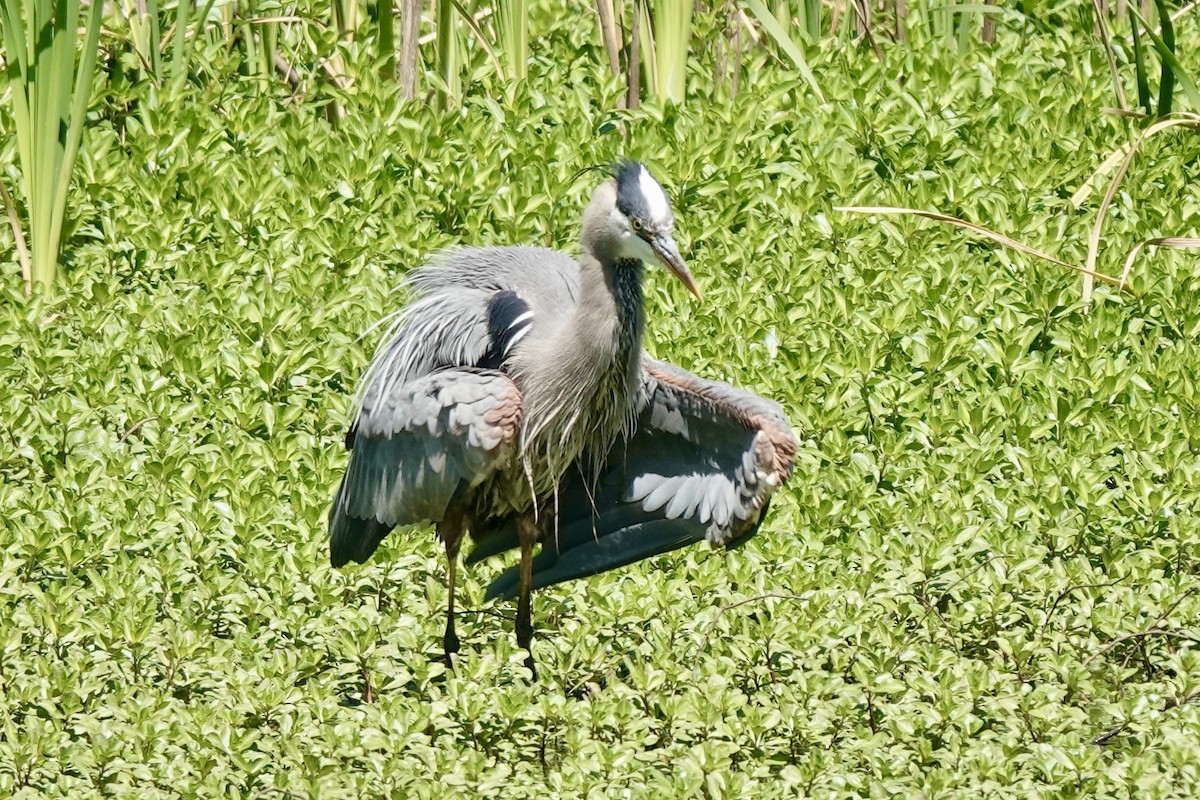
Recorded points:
(608,318)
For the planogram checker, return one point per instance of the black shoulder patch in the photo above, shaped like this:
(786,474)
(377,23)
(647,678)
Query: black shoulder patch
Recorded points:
(509,319)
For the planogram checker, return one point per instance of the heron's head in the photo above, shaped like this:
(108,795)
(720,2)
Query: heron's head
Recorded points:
(637,223)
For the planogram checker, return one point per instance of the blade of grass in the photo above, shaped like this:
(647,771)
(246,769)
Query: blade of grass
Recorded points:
(512,36)
(966,21)
(151,12)
(812,19)
(1106,41)
(647,44)
(1166,84)
(49,94)
(448,61)
(672,37)
(1167,54)
(80,94)
(179,52)
(771,25)
(633,63)
(1139,64)
(385,23)
(480,37)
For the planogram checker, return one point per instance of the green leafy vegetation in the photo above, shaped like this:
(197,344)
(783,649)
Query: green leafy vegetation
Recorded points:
(983,579)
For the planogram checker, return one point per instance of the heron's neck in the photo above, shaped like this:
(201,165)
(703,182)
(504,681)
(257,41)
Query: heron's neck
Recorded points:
(610,313)
(625,283)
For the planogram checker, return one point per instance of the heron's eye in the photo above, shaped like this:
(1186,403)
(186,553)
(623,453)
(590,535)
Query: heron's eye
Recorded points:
(636,224)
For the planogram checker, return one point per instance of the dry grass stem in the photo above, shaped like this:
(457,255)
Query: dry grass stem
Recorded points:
(1177,242)
(982,231)
(19,240)
(1175,121)
(1106,166)
(1183,10)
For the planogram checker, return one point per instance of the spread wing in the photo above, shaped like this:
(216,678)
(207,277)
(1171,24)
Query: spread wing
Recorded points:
(701,464)
(415,448)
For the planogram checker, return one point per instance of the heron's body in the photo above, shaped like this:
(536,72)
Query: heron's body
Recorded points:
(573,357)
(514,372)
(578,375)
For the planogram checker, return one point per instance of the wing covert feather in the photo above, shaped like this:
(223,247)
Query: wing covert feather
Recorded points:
(415,449)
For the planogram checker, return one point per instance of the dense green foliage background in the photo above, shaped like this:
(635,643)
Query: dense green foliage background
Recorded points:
(995,487)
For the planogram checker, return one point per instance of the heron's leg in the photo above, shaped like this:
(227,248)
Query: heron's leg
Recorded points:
(450,530)
(527,535)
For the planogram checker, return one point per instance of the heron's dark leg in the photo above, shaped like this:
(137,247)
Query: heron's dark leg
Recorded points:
(527,535)
(450,530)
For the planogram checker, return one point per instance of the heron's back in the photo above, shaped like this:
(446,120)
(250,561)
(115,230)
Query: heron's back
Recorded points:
(545,276)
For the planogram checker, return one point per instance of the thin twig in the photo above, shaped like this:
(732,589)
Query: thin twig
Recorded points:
(1170,703)
(1063,596)
(758,598)
(489,612)
(1171,608)
(969,573)
(137,426)
(1140,635)
(932,607)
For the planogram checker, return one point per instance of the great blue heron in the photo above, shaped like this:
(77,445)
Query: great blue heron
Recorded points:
(512,399)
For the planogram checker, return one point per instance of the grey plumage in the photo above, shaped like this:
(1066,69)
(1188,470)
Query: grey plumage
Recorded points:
(511,399)
(415,448)
(701,465)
